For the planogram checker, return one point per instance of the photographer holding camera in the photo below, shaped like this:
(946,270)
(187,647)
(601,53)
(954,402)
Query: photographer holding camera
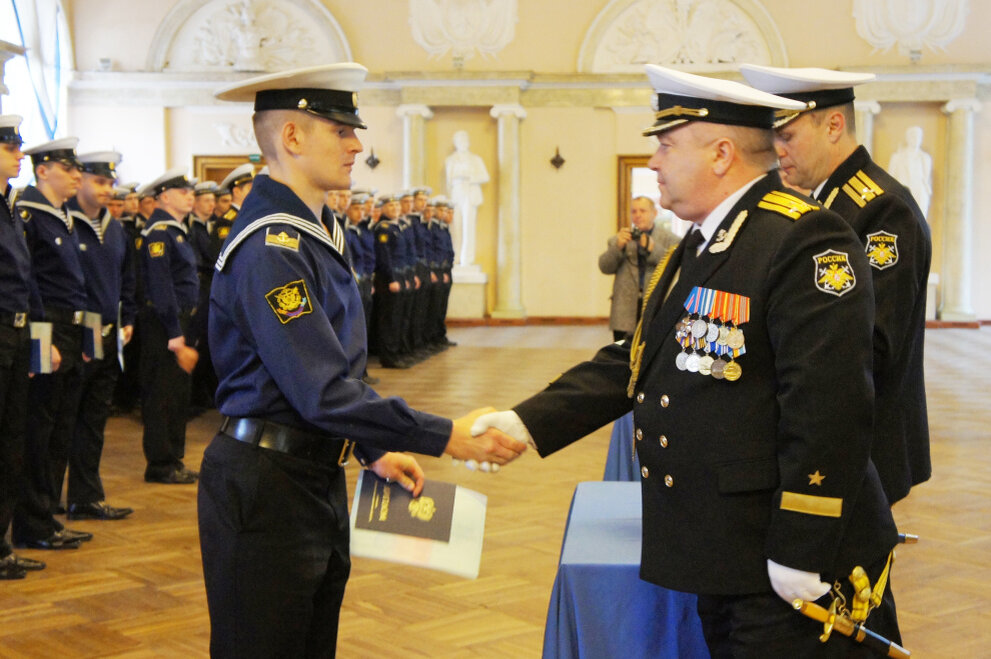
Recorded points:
(631,255)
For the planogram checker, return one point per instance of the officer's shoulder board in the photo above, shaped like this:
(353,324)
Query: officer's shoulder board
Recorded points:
(861,188)
(784,203)
(230,214)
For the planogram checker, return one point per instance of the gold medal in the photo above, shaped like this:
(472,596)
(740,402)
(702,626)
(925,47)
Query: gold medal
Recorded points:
(732,371)
(735,339)
(705,365)
(723,335)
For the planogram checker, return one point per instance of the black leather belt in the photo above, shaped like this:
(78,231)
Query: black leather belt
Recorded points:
(67,316)
(14,319)
(288,440)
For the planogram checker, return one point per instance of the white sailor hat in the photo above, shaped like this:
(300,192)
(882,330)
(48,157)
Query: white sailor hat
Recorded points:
(409,192)
(358,198)
(239,176)
(206,187)
(423,189)
(121,192)
(684,97)
(437,201)
(101,163)
(63,151)
(263,171)
(813,87)
(8,129)
(329,91)
(174,178)
(132,186)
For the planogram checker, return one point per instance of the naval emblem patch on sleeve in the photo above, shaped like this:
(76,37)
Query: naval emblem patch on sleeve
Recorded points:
(282,239)
(291,301)
(833,272)
(882,249)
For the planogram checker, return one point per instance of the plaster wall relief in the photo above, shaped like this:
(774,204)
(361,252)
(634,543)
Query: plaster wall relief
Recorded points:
(910,24)
(463,27)
(247,35)
(689,34)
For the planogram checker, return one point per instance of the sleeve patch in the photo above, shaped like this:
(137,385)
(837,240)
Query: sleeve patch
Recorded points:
(882,249)
(155,250)
(383,237)
(812,505)
(290,301)
(222,232)
(833,273)
(282,239)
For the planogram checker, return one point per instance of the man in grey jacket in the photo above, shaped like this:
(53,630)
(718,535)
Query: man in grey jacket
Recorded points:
(631,255)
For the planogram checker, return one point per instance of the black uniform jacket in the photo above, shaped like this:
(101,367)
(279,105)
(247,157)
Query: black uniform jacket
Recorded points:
(774,465)
(899,249)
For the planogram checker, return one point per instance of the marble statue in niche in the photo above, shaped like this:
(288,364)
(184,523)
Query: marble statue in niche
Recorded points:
(466,172)
(913,167)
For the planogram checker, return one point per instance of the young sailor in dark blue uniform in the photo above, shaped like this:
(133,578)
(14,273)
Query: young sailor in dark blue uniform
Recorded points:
(201,237)
(15,288)
(391,285)
(421,298)
(819,151)
(62,300)
(167,329)
(128,388)
(289,351)
(108,266)
(445,256)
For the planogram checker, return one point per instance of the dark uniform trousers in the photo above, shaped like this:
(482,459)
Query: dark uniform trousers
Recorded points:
(53,399)
(254,545)
(14,365)
(99,381)
(165,390)
(388,308)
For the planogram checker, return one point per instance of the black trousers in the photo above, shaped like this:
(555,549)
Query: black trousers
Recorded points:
(275,543)
(54,402)
(99,380)
(164,399)
(127,393)
(14,363)
(407,301)
(388,309)
(763,626)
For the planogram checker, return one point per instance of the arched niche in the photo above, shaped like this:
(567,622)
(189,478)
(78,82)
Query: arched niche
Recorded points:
(246,35)
(694,35)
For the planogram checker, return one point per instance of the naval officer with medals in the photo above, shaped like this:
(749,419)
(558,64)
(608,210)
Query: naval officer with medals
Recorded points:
(287,331)
(819,151)
(757,486)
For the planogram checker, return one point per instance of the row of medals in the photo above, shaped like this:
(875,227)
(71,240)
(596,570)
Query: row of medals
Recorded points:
(695,331)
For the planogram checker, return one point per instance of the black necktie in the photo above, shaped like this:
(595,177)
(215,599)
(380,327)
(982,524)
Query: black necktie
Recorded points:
(690,255)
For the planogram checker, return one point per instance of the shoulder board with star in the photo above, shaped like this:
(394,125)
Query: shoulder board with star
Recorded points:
(861,188)
(786,204)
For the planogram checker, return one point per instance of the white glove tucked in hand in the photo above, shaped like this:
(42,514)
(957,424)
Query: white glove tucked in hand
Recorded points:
(508,422)
(791,584)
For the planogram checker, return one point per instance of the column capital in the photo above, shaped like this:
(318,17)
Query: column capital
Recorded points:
(954,104)
(867,106)
(411,109)
(508,108)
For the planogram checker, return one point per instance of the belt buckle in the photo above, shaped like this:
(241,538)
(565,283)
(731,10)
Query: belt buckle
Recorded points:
(20,319)
(106,329)
(345,457)
(77,317)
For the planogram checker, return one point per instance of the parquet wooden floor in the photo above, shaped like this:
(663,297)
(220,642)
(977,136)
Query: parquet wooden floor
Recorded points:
(136,590)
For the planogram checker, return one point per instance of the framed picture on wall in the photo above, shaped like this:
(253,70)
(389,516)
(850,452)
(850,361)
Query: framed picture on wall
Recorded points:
(216,168)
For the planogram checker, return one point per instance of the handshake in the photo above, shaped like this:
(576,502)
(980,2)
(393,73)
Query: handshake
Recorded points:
(485,439)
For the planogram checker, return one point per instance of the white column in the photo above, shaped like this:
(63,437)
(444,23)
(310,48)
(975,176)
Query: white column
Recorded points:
(865,112)
(509,289)
(414,154)
(958,237)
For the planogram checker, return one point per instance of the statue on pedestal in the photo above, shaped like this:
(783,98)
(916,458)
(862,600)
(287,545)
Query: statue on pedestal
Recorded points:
(913,167)
(466,173)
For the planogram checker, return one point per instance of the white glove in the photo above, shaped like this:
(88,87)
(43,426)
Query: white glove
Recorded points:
(791,584)
(508,422)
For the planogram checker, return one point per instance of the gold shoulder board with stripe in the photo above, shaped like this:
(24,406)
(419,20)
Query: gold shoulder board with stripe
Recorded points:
(862,189)
(786,204)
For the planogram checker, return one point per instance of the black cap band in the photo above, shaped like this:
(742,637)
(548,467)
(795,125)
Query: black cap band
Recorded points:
(177,182)
(106,169)
(674,110)
(65,156)
(9,135)
(331,104)
(824,98)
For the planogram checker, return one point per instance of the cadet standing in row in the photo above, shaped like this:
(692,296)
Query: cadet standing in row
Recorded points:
(201,236)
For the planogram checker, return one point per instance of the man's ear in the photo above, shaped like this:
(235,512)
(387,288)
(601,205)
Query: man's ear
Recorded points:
(293,136)
(835,125)
(724,152)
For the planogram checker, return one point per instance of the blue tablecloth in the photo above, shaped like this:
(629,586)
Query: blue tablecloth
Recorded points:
(600,608)
(621,463)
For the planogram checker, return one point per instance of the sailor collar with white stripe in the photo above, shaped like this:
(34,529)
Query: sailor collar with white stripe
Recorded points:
(44,206)
(99,225)
(164,223)
(298,223)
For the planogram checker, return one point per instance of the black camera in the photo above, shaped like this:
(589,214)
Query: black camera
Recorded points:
(636,232)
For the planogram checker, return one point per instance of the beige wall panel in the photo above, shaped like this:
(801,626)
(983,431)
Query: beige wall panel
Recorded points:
(138,133)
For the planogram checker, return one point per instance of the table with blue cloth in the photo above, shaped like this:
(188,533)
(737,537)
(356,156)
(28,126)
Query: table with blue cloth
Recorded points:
(600,608)
(622,464)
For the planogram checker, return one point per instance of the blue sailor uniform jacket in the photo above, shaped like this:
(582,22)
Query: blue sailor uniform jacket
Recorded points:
(774,465)
(108,265)
(896,238)
(287,333)
(390,251)
(15,260)
(169,268)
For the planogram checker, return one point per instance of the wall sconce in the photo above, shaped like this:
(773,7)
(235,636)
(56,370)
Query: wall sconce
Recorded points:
(557,160)
(371,160)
